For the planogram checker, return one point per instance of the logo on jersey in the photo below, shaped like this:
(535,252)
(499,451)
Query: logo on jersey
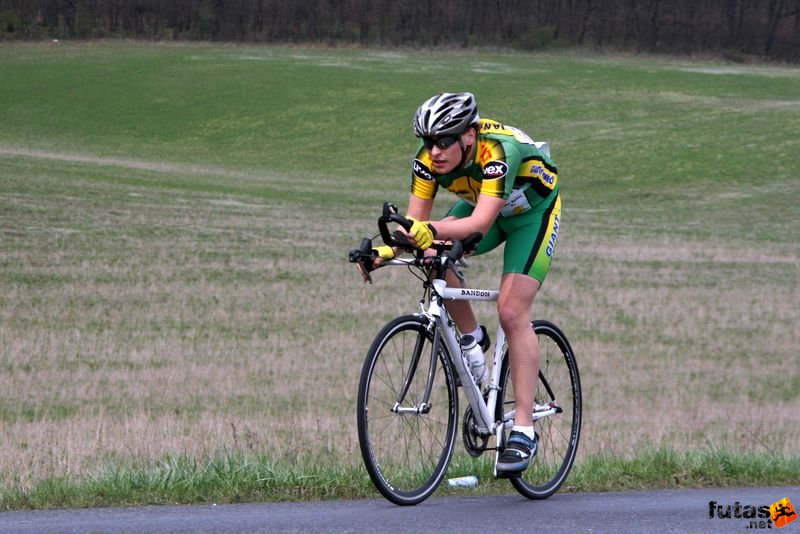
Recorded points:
(421,170)
(538,169)
(491,126)
(495,169)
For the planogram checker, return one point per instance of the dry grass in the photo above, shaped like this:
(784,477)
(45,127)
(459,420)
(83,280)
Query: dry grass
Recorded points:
(138,321)
(684,345)
(151,307)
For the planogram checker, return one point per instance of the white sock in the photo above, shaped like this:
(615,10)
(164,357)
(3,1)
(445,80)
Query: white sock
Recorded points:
(477,334)
(527,430)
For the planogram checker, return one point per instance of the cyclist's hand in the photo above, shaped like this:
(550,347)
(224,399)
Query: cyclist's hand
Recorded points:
(384,252)
(422,232)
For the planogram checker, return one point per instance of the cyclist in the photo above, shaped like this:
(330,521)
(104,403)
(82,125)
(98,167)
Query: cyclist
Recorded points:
(508,191)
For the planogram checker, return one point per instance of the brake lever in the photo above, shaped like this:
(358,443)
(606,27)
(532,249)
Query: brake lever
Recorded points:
(365,275)
(401,238)
(363,258)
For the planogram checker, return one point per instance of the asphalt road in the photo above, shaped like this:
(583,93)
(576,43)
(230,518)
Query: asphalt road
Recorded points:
(679,511)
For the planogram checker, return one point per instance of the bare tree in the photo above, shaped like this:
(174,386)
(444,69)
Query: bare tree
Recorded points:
(770,28)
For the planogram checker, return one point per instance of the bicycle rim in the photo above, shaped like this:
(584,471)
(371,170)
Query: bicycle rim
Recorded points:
(406,454)
(559,433)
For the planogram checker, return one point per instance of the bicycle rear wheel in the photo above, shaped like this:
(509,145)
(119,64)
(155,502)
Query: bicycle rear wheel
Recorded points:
(559,383)
(406,447)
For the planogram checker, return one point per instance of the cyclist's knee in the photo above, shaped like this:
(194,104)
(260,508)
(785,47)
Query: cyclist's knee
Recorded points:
(516,298)
(514,317)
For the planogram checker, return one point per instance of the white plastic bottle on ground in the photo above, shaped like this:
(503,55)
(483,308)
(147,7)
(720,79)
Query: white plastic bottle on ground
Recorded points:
(469,481)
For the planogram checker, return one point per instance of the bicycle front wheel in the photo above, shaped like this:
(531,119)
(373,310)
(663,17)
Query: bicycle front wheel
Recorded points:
(558,403)
(406,445)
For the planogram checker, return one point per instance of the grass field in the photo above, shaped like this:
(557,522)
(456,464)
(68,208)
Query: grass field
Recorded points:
(174,227)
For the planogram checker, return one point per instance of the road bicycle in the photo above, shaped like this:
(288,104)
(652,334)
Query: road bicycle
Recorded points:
(408,397)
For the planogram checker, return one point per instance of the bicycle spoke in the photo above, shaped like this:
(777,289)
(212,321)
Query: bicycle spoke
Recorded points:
(558,432)
(406,453)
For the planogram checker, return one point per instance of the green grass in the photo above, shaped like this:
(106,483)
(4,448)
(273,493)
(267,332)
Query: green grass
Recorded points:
(237,477)
(174,223)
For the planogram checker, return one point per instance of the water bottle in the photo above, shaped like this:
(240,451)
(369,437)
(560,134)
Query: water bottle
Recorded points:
(463,482)
(473,354)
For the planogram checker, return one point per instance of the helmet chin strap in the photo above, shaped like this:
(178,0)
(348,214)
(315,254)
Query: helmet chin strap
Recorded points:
(465,150)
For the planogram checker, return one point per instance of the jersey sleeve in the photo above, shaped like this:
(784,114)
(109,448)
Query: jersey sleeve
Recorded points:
(423,183)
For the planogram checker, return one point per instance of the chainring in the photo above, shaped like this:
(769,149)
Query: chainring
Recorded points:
(474,443)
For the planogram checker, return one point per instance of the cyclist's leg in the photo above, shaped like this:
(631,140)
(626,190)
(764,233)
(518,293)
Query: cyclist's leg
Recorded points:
(517,292)
(527,256)
(461,310)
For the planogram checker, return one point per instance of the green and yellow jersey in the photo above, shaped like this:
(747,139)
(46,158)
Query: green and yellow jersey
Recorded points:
(507,164)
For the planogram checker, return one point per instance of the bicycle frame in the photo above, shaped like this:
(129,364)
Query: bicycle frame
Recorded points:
(444,331)
(483,411)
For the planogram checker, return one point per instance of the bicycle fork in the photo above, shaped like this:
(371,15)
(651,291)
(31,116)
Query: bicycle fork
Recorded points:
(424,406)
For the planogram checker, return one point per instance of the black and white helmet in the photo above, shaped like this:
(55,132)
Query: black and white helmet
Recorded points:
(446,114)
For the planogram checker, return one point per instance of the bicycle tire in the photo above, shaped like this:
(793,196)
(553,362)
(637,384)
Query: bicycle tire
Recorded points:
(558,434)
(406,455)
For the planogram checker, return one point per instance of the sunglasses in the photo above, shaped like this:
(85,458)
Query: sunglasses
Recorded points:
(446,141)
